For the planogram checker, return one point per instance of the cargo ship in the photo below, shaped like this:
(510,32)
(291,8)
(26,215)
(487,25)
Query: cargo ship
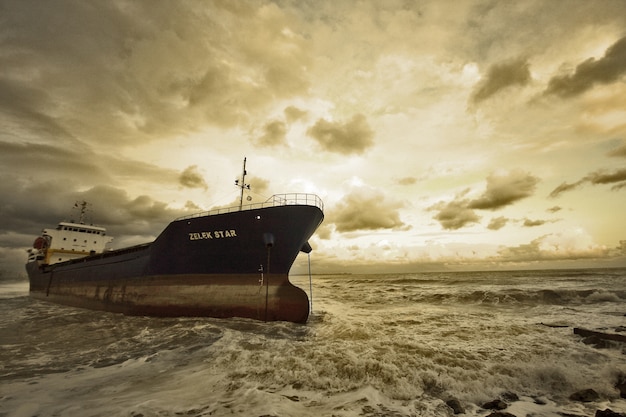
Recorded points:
(229,262)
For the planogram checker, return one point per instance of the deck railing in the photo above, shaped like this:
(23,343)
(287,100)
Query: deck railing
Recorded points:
(297,199)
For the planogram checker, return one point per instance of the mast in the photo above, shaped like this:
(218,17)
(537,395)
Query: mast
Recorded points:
(82,205)
(243,184)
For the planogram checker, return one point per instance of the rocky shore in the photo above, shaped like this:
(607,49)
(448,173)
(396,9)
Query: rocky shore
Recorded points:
(499,405)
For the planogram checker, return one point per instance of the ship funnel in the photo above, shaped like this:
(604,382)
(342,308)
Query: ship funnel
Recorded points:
(306,248)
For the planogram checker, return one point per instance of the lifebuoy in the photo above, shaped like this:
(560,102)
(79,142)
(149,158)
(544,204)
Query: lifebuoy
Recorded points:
(40,243)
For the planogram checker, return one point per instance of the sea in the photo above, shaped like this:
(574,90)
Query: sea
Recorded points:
(375,345)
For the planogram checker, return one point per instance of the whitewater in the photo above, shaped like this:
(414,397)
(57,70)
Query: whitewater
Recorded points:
(375,345)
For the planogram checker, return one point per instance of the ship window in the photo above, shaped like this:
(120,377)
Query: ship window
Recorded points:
(74,240)
(64,238)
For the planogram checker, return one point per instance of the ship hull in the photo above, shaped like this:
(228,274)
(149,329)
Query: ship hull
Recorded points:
(226,265)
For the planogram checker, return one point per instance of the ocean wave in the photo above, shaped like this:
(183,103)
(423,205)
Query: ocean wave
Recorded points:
(525,297)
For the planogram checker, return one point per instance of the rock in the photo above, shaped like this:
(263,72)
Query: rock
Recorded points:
(501,414)
(495,405)
(455,405)
(509,397)
(585,396)
(609,413)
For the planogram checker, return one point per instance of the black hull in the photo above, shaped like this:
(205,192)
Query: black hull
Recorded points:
(226,265)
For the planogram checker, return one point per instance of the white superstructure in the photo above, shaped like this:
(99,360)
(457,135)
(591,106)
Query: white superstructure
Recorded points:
(69,241)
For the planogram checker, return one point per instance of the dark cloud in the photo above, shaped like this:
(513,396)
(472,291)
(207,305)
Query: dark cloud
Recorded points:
(259,185)
(533,223)
(24,108)
(619,152)
(565,187)
(618,186)
(407,181)
(35,205)
(293,114)
(497,223)
(500,76)
(366,209)
(594,178)
(30,158)
(80,166)
(192,178)
(352,137)
(610,68)
(603,177)
(454,214)
(545,248)
(114,73)
(274,133)
(503,190)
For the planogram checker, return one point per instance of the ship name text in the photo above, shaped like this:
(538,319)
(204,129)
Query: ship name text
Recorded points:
(215,234)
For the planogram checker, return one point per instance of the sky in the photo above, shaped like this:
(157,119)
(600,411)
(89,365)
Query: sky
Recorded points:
(441,135)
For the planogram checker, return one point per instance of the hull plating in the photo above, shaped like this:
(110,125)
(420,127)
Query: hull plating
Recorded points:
(227,265)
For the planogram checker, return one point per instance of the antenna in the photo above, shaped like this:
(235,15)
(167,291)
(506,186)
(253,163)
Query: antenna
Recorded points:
(243,184)
(82,205)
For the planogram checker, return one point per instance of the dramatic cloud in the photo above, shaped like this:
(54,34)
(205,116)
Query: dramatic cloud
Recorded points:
(565,187)
(619,152)
(366,209)
(567,245)
(37,205)
(79,166)
(293,114)
(274,133)
(533,223)
(138,71)
(505,189)
(610,68)
(407,181)
(454,214)
(352,137)
(123,103)
(617,177)
(191,178)
(602,177)
(497,223)
(500,76)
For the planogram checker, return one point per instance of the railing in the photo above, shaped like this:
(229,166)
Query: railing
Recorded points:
(274,201)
